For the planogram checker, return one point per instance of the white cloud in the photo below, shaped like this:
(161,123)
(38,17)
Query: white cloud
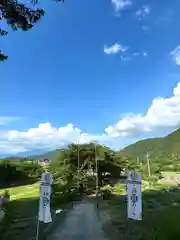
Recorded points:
(176,55)
(163,113)
(114,49)
(136,54)
(120,5)
(43,137)
(7,120)
(118,48)
(142,12)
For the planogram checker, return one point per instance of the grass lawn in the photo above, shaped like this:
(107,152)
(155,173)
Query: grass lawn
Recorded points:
(161,213)
(22,192)
(21,212)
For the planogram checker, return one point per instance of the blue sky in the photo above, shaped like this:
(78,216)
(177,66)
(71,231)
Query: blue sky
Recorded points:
(92,64)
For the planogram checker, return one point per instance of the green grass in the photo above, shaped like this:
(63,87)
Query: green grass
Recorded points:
(22,192)
(21,212)
(161,211)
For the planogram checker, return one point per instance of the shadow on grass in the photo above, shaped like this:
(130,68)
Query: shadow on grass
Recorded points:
(18,183)
(160,220)
(20,220)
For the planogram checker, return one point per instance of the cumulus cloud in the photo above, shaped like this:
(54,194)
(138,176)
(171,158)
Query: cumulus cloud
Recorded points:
(124,50)
(176,55)
(114,49)
(120,5)
(163,113)
(142,12)
(43,137)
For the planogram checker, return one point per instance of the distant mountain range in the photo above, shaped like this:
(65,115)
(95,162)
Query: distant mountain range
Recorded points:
(52,155)
(155,147)
(48,155)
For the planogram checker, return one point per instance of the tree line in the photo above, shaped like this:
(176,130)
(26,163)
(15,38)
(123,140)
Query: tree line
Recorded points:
(80,168)
(18,172)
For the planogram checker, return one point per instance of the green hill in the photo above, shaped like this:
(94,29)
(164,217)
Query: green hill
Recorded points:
(156,147)
(48,155)
(52,155)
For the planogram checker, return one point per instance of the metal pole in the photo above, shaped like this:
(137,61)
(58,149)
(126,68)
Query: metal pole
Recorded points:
(37,229)
(148,163)
(96,169)
(78,162)
(64,159)
(138,161)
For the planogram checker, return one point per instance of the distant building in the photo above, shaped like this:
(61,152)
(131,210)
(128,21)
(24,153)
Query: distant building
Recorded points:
(44,162)
(31,161)
(170,176)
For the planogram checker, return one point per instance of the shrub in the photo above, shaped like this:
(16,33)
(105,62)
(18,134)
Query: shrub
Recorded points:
(106,191)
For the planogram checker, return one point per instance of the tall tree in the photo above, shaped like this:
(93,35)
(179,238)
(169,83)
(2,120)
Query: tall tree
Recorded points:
(84,157)
(19,17)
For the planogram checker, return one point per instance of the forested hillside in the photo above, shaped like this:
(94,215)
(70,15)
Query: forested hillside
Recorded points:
(49,155)
(164,153)
(159,149)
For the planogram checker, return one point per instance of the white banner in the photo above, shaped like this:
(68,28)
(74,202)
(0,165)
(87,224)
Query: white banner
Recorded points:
(44,204)
(134,176)
(47,178)
(134,196)
(45,198)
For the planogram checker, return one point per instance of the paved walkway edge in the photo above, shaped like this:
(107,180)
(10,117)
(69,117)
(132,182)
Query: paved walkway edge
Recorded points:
(56,219)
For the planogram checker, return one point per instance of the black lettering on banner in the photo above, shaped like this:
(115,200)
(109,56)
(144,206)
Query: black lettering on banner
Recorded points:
(134,199)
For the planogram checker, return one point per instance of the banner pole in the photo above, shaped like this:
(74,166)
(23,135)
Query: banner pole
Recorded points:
(44,215)
(37,228)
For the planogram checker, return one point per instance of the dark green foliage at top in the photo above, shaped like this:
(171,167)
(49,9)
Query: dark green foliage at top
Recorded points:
(19,16)
(108,162)
(74,175)
(107,159)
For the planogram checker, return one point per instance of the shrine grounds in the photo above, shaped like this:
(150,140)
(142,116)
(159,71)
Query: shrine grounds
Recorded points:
(160,219)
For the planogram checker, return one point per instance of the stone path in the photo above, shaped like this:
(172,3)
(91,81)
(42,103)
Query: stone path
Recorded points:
(81,223)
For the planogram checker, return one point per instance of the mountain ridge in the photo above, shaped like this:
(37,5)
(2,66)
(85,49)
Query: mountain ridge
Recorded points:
(156,147)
